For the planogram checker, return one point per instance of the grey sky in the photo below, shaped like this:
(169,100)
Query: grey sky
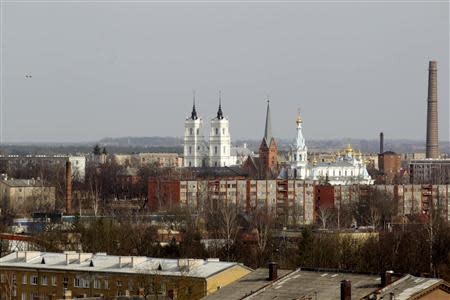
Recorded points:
(128,69)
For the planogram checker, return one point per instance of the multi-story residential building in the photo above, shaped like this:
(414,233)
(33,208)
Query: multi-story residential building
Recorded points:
(24,195)
(429,171)
(78,163)
(47,276)
(137,160)
(298,200)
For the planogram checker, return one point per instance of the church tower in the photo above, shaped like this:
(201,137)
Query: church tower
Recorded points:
(194,142)
(219,140)
(268,150)
(299,151)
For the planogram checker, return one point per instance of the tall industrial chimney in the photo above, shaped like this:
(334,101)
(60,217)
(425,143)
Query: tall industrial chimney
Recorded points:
(432,147)
(381,142)
(68,187)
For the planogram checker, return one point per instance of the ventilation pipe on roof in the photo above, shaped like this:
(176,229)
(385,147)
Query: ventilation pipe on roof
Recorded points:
(273,271)
(386,278)
(346,290)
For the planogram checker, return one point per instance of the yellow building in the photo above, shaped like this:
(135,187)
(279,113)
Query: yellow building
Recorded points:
(35,275)
(23,195)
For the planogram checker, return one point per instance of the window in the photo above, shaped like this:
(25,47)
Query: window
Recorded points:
(215,149)
(224,150)
(65,283)
(24,296)
(190,150)
(24,279)
(106,284)
(119,283)
(77,282)
(191,131)
(190,164)
(217,131)
(97,284)
(198,131)
(44,280)
(34,280)
(54,280)
(223,130)
(215,164)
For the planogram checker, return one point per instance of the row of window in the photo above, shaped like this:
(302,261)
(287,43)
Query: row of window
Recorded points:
(34,280)
(213,130)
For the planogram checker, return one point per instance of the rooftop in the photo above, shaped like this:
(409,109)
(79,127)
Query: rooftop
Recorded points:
(408,286)
(298,284)
(23,182)
(101,262)
(245,286)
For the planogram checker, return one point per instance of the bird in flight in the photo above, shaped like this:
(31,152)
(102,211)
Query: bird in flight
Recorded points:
(28,76)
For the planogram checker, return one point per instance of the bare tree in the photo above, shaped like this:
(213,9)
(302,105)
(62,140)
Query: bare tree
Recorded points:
(324,214)
(229,228)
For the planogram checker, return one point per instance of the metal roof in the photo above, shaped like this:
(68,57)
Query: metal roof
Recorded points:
(100,262)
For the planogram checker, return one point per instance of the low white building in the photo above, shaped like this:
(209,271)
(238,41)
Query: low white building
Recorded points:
(348,168)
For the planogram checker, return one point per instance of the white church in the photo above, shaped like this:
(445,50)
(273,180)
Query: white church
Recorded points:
(349,167)
(219,151)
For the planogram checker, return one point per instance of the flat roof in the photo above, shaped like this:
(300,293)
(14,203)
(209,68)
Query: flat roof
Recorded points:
(24,183)
(316,284)
(100,262)
(246,285)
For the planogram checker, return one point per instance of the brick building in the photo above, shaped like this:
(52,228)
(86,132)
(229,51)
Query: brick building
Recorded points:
(389,164)
(298,200)
(34,275)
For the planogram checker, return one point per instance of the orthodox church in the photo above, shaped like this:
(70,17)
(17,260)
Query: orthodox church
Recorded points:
(348,168)
(218,152)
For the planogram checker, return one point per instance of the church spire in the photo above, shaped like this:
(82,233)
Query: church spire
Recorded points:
(268,129)
(219,112)
(194,112)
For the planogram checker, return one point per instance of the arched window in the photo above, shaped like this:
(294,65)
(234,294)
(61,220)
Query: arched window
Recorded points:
(215,149)
(217,131)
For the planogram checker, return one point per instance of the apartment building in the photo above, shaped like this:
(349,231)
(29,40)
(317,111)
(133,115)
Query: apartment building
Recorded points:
(19,195)
(46,276)
(297,200)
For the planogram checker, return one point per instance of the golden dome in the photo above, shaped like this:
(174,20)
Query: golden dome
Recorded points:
(348,149)
(299,119)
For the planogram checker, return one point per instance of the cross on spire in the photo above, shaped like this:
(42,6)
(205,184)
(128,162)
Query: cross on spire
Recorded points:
(194,112)
(219,112)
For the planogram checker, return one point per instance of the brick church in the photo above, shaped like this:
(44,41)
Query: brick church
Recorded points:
(265,166)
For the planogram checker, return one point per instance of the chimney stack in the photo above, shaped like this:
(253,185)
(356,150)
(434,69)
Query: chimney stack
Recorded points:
(432,146)
(68,187)
(386,278)
(273,271)
(381,142)
(346,290)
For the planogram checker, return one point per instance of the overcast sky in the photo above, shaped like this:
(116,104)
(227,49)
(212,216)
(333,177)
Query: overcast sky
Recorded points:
(128,69)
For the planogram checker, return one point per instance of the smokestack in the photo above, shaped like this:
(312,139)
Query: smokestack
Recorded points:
(346,290)
(432,147)
(381,142)
(273,271)
(68,187)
